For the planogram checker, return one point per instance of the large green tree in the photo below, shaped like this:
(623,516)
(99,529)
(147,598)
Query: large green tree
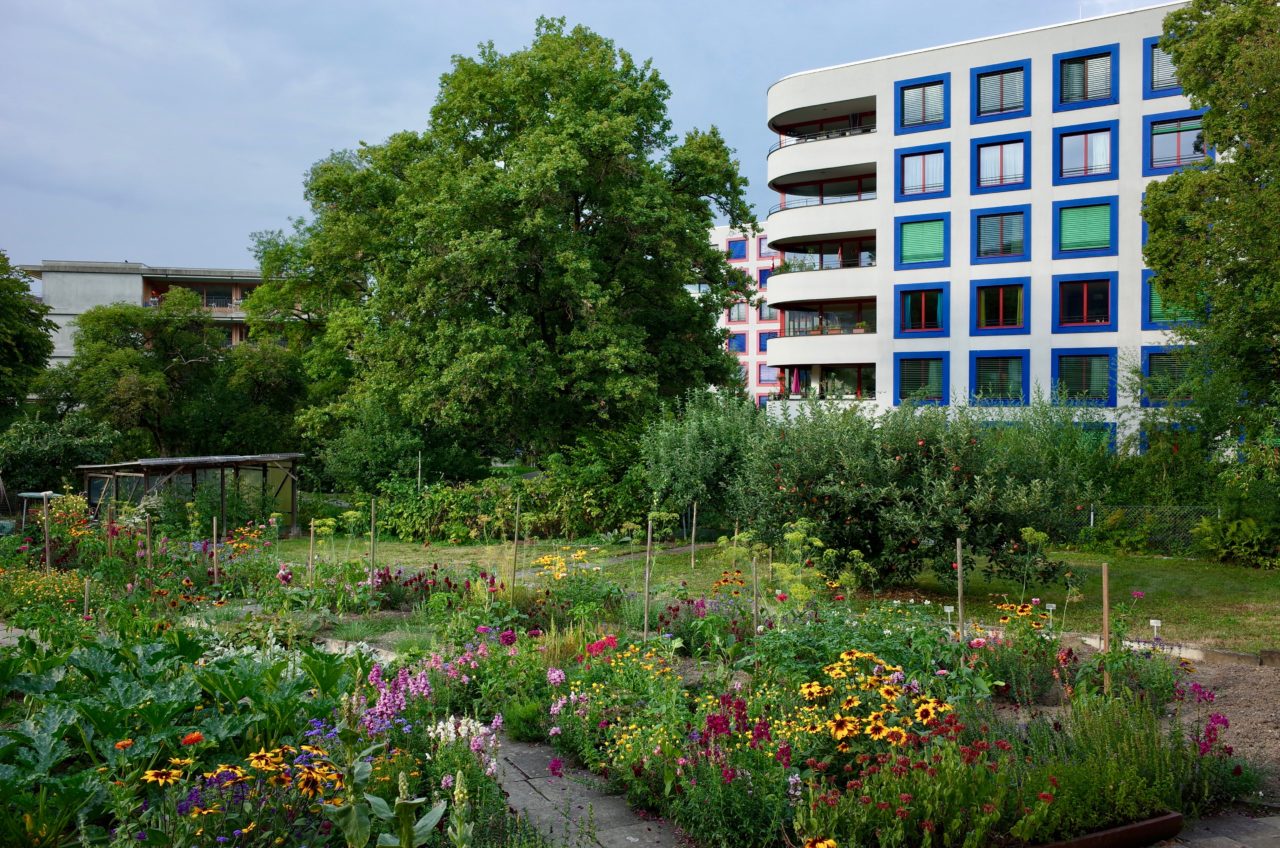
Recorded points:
(516,275)
(1214,244)
(26,337)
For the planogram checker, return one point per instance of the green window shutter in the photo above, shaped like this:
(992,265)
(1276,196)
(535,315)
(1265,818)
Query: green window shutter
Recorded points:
(1084,227)
(921,241)
(999,378)
(1000,235)
(1162,312)
(1184,125)
(920,378)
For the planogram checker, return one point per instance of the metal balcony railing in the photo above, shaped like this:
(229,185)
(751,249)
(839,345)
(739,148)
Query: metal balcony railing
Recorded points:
(821,135)
(823,263)
(800,202)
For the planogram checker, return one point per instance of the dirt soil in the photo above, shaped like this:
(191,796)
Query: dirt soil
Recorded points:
(1249,696)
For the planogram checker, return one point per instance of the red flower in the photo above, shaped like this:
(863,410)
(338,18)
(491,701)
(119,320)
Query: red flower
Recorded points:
(1046,797)
(193,738)
(556,767)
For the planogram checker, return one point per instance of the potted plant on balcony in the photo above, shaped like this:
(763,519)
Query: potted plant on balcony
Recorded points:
(860,327)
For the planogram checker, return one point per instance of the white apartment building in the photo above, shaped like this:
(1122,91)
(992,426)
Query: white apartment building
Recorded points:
(963,223)
(752,328)
(72,288)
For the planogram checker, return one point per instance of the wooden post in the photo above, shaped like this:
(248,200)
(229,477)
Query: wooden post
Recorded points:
(1106,623)
(515,553)
(373,534)
(735,543)
(215,550)
(648,546)
(48,557)
(755,600)
(311,556)
(86,599)
(693,540)
(148,543)
(960,584)
(111,525)
(419,471)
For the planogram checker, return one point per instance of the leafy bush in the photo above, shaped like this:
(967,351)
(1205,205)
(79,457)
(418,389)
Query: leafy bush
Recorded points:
(38,456)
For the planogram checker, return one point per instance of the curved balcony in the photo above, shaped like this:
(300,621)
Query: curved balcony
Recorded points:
(809,219)
(808,286)
(820,349)
(826,155)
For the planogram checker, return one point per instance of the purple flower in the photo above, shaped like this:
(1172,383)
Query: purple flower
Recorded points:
(480,628)
(1138,594)
(507,637)
(556,767)
(555,676)
(446,782)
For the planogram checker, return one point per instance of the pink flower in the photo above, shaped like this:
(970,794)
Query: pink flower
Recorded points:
(555,676)
(1138,594)
(507,637)
(556,767)
(1035,602)
(782,597)
(978,643)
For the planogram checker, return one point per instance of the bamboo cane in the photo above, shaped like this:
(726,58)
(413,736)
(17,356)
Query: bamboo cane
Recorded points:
(648,547)
(48,548)
(311,556)
(960,584)
(1106,623)
(215,550)
(693,540)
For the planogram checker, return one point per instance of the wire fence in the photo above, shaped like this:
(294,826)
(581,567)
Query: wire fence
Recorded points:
(1157,528)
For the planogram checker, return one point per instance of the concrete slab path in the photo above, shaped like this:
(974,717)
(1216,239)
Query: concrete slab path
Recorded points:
(1229,830)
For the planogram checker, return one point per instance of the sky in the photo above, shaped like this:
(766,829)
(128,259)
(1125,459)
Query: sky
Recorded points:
(167,132)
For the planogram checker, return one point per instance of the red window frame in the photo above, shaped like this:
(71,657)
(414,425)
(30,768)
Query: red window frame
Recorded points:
(746,313)
(924,188)
(746,249)
(936,294)
(859,179)
(1062,302)
(1003,180)
(1085,170)
(1000,308)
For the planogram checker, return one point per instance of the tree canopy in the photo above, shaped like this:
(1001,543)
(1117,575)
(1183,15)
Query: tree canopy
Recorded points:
(518,273)
(1214,244)
(26,337)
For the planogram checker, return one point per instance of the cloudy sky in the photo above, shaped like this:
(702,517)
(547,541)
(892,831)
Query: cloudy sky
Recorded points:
(166,131)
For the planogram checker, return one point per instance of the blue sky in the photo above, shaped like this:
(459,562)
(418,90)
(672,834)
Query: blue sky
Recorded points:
(167,132)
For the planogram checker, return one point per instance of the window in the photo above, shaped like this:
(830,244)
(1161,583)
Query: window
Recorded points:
(923,173)
(1085,376)
(1175,143)
(999,307)
(1084,78)
(737,342)
(763,250)
(738,312)
(1001,91)
(768,313)
(1159,76)
(857,381)
(1085,153)
(1084,303)
(920,310)
(763,341)
(833,319)
(1156,314)
(998,377)
(923,103)
(1000,235)
(1002,164)
(921,377)
(822,256)
(1085,227)
(923,241)
(1166,373)
(762,401)
(736,248)
(763,276)
(768,375)
(742,373)
(825,192)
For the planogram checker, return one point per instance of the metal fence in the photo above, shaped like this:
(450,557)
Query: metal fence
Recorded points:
(1157,528)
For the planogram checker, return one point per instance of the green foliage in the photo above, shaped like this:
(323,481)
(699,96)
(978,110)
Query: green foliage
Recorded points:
(1242,541)
(26,337)
(41,455)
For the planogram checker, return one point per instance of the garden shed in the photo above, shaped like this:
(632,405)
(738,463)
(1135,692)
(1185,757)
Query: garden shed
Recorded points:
(275,473)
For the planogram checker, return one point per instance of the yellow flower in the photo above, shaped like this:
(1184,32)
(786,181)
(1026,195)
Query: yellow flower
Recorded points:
(264,760)
(162,777)
(180,761)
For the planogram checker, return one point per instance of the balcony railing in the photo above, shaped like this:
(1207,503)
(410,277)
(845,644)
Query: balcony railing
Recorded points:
(820,135)
(828,330)
(823,263)
(813,393)
(800,202)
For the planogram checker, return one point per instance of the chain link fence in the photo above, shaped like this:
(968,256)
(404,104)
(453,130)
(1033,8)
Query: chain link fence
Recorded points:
(1155,528)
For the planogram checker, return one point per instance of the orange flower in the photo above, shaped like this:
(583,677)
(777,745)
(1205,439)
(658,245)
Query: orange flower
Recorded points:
(124,744)
(193,738)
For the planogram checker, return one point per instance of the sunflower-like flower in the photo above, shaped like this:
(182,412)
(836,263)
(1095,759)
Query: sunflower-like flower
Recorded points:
(265,760)
(162,777)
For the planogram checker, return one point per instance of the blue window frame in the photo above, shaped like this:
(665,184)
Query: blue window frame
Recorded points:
(762,341)
(763,276)
(1156,72)
(737,342)
(994,164)
(1086,78)
(1078,234)
(762,401)
(994,92)
(1000,377)
(929,106)
(1176,148)
(1085,303)
(1086,153)
(921,310)
(922,173)
(917,247)
(1082,371)
(1157,315)
(926,369)
(1169,371)
(1000,307)
(736,249)
(1000,234)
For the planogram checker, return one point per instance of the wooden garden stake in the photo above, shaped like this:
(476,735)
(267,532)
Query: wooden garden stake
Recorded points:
(693,540)
(960,584)
(215,550)
(1106,623)
(86,599)
(148,544)
(311,556)
(373,534)
(735,543)
(515,552)
(111,523)
(755,599)
(648,546)
(48,560)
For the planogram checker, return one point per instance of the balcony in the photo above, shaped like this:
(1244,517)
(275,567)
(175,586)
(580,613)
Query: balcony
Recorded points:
(824,347)
(821,283)
(804,219)
(821,154)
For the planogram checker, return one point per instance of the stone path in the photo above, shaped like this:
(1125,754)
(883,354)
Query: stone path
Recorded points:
(1230,830)
(574,810)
